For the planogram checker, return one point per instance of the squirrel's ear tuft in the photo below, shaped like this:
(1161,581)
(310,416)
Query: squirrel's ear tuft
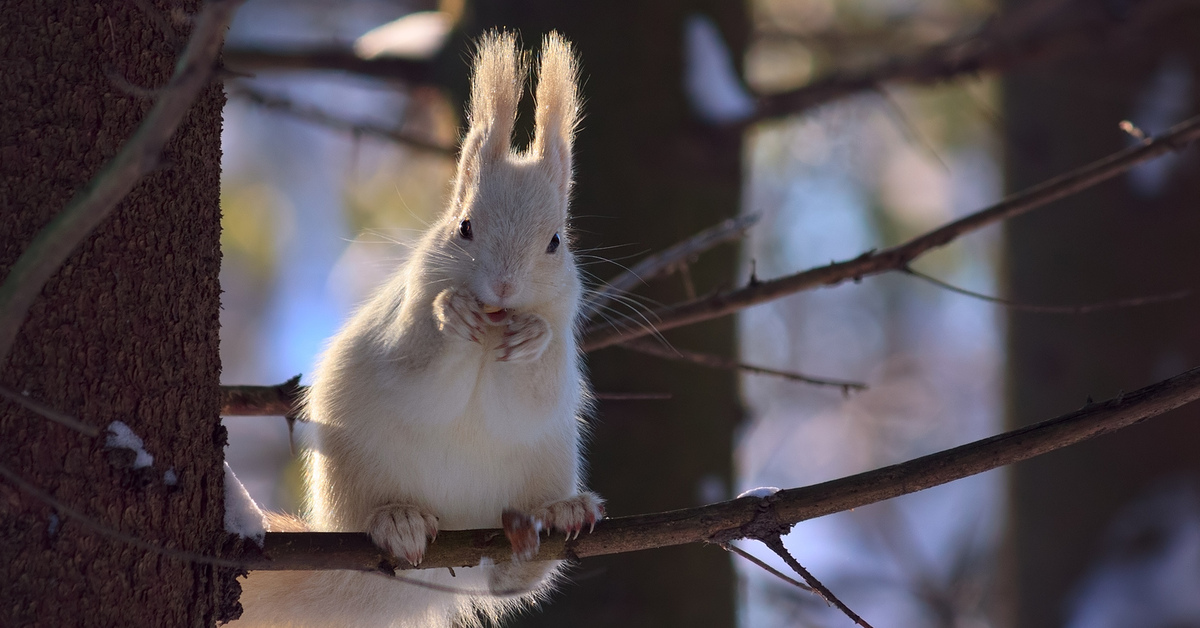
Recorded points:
(558,107)
(497,81)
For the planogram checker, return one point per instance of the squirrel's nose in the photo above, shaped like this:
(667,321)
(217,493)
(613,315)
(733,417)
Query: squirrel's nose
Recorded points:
(503,289)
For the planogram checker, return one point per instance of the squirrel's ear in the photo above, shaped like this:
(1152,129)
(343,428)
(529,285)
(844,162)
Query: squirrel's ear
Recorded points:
(558,108)
(497,81)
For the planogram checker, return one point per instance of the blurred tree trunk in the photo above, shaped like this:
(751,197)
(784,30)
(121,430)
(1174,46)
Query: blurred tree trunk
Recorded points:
(126,331)
(647,175)
(1113,241)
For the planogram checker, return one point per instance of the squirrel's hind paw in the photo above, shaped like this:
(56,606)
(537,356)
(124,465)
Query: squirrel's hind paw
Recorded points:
(402,530)
(571,515)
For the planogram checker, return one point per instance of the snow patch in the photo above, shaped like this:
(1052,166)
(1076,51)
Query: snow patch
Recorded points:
(121,436)
(762,491)
(55,523)
(417,35)
(712,85)
(242,515)
(170,478)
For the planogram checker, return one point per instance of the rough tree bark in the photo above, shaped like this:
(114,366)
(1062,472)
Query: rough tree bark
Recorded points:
(126,331)
(647,175)
(1105,243)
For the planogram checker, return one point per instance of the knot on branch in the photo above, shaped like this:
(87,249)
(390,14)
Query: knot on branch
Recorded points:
(764,524)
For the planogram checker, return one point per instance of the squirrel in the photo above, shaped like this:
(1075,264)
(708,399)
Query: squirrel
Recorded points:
(455,395)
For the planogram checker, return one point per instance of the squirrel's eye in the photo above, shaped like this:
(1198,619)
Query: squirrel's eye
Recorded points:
(553,244)
(464,230)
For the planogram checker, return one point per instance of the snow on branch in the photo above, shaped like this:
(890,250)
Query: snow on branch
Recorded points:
(761,518)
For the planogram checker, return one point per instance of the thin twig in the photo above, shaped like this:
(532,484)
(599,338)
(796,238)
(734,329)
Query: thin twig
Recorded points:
(140,155)
(649,347)
(730,547)
(281,105)
(664,261)
(113,533)
(1088,308)
(49,413)
(633,396)
(775,542)
(898,257)
(753,517)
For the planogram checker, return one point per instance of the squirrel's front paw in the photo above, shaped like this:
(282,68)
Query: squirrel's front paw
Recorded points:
(402,530)
(525,338)
(459,313)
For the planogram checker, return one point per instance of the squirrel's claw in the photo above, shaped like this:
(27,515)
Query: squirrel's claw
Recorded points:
(402,531)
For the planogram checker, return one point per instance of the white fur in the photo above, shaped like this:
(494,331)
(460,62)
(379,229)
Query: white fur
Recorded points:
(432,416)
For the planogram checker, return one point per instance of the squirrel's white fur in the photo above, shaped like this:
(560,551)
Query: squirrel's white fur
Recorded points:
(430,413)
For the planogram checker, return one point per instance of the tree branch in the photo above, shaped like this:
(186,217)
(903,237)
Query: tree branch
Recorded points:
(663,261)
(287,107)
(285,399)
(91,205)
(898,257)
(749,517)
(1041,31)
(279,400)
(335,58)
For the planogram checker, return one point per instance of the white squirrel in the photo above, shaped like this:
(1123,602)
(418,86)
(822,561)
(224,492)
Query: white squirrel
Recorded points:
(455,393)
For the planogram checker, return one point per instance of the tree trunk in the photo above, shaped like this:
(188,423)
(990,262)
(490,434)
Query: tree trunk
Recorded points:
(1110,242)
(647,175)
(125,331)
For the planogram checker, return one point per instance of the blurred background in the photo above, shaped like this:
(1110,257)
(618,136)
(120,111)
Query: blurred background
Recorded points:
(340,146)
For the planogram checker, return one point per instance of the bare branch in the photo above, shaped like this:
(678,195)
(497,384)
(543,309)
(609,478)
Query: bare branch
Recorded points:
(898,257)
(750,517)
(335,58)
(776,544)
(1088,308)
(1041,31)
(279,400)
(285,399)
(49,413)
(140,154)
(664,261)
(650,347)
(289,108)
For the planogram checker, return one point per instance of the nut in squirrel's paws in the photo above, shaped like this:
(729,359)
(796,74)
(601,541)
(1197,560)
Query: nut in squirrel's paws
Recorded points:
(459,313)
(402,530)
(525,339)
(569,516)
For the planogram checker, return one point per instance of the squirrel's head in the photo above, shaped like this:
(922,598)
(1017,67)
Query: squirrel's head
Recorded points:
(507,224)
